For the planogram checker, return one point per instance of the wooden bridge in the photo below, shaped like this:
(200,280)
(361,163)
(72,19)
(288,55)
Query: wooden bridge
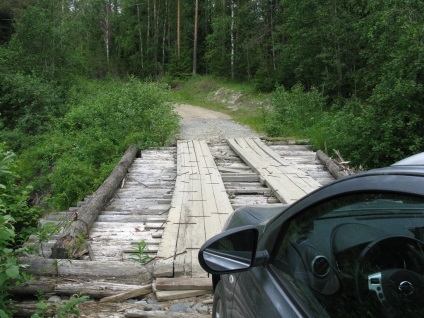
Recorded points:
(174,199)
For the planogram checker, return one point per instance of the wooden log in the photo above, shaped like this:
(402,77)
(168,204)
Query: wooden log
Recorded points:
(95,289)
(77,269)
(183,283)
(144,290)
(65,246)
(174,294)
(333,168)
(137,313)
(33,287)
(28,308)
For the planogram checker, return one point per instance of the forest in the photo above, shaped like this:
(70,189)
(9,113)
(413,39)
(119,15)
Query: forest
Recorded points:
(346,74)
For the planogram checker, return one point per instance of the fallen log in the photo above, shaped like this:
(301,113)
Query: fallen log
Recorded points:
(333,168)
(114,271)
(175,294)
(137,292)
(95,289)
(183,283)
(67,246)
(137,313)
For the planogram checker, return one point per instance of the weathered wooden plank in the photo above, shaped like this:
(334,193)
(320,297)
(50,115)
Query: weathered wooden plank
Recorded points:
(170,295)
(136,292)
(167,249)
(183,283)
(201,204)
(240,177)
(288,183)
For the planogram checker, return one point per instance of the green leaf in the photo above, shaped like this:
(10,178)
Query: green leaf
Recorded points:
(13,272)
(3,314)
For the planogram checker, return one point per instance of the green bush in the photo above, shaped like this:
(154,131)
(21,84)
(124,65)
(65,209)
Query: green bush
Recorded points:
(103,120)
(17,221)
(14,197)
(293,112)
(374,133)
(27,103)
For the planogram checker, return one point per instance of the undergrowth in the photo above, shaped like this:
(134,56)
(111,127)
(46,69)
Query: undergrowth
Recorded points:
(81,148)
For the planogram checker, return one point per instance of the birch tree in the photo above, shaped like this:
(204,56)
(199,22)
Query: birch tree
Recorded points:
(196,20)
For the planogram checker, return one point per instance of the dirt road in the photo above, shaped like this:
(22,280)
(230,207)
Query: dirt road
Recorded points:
(204,124)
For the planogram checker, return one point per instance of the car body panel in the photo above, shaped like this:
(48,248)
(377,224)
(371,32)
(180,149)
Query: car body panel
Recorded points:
(259,292)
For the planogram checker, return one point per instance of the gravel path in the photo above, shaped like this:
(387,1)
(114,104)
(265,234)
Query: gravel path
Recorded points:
(203,124)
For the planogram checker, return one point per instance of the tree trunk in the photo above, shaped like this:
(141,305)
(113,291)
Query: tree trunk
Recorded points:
(155,37)
(67,245)
(179,28)
(196,17)
(232,39)
(140,39)
(107,32)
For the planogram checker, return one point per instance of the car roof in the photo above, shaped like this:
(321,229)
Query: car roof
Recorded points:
(413,165)
(415,160)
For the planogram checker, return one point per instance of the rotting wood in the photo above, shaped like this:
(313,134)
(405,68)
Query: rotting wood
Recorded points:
(144,290)
(183,283)
(288,183)
(77,269)
(95,289)
(332,167)
(93,309)
(174,294)
(199,194)
(88,213)
(137,313)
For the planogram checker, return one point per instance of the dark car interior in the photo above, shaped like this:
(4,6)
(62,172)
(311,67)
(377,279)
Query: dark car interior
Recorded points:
(364,251)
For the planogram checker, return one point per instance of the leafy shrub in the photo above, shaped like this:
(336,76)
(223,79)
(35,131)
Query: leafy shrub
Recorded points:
(293,112)
(374,133)
(27,103)
(14,198)
(103,120)
(16,222)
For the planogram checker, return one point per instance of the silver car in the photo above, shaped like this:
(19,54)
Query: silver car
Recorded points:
(354,248)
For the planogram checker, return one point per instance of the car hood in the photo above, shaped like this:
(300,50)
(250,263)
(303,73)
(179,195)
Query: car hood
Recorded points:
(258,216)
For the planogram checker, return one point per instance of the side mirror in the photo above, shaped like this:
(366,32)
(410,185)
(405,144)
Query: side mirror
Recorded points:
(230,251)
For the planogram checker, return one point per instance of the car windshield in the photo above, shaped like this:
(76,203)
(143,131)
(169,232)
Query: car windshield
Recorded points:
(359,255)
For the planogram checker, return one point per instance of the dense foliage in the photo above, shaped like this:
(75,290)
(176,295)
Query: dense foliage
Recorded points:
(17,220)
(366,59)
(103,119)
(346,74)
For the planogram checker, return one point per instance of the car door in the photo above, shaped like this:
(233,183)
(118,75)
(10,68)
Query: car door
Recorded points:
(313,265)
(258,294)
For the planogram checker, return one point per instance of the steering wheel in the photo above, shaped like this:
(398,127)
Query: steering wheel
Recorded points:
(391,271)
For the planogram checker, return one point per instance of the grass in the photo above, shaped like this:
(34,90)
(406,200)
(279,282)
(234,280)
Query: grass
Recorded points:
(238,100)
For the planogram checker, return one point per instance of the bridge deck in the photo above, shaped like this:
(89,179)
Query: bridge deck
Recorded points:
(174,199)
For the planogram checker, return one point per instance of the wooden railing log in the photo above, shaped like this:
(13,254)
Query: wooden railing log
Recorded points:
(67,246)
(333,168)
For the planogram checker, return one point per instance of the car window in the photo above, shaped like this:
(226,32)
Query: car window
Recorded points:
(357,255)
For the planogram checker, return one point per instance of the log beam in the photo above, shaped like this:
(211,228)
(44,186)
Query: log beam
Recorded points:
(67,247)
(333,168)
